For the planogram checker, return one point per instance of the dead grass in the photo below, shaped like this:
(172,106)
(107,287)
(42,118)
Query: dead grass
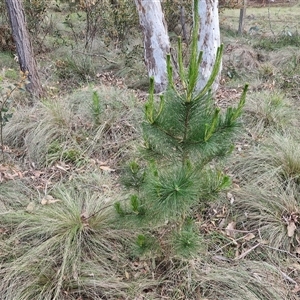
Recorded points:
(15,194)
(75,249)
(277,157)
(240,60)
(64,247)
(268,20)
(271,214)
(268,111)
(64,129)
(246,280)
(199,279)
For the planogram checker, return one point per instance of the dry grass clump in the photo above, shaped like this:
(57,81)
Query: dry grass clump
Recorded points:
(242,56)
(277,157)
(241,61)
(266,112)
(200,279)
(287,60)
(249,280)
(285,57)
(67,247)
(89,123)
(272,214)
(15,194)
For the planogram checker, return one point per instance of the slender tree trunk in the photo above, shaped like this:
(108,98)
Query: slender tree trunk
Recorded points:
(23,45)
(209,40)
(156,40)
(242,18)
(183,23)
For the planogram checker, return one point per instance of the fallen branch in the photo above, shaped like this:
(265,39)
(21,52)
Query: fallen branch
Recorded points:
(247,252)
(288,278)
(97,55)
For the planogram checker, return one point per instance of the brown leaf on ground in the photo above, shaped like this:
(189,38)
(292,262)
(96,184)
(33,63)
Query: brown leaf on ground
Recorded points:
(107,168)
(48,199)
(291,229)
(230,197)
(249,236)
(230,229)
(246,252)
(30,207)
(127,275)
(8,172)
(296,290)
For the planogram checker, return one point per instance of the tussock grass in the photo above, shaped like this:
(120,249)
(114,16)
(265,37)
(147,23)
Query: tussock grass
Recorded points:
(7,61)
(15,194)
(277,157)
(272,215)
(266,112)
(75,248)
(76,68)
(67,130)
(247,280)
(288,60)
(286,57)
(198,279)
(64,250)
(241,61)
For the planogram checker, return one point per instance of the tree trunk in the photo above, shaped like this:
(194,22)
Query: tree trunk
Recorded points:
(208,41)
(23,45)
(156,41)
(183,23)
(242,18)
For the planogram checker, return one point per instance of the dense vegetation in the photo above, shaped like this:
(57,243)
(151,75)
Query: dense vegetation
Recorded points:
(108,191)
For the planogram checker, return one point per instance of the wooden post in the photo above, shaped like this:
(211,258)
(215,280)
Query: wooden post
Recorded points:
(242,17)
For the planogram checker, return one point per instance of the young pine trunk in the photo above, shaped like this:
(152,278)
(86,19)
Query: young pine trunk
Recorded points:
(156,41)
(23,45)
(208,41)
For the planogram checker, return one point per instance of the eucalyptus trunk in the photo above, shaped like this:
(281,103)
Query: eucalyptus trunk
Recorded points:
(22,41)
(156,41)
(208,41)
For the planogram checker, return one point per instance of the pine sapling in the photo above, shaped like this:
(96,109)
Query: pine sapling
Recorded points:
(184,135)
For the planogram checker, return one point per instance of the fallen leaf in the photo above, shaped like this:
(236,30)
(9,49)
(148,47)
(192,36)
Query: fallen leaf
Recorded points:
(296,290)
(295,266)
(3,230)
(44,201)
(230,197)
(291,229)
(30,207)
(263,242)
(249,236)
(127,275)
(222,223)
(106,168)
(37,174)
(221,258)
(246,252)
(230,229)
(236,186)
(61,168)
(48,199)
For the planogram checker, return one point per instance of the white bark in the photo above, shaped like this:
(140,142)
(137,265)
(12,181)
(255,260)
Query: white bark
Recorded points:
(208,41)
(156,40)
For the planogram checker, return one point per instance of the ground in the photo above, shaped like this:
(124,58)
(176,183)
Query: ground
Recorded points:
(64,159)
